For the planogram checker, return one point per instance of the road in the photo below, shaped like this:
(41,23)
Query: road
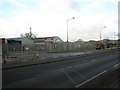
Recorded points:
(63,74)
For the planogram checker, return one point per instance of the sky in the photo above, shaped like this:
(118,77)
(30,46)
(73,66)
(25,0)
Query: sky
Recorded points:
(49,18)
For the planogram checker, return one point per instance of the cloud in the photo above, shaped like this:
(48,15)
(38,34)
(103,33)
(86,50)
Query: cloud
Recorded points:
(7,29)
(51,16)
(17,3)
(95,4)
(88,27)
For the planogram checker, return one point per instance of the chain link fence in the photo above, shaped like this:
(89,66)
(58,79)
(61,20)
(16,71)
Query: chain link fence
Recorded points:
(22,53)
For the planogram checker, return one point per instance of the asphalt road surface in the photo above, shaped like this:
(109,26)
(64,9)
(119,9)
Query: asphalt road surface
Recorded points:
(63,74)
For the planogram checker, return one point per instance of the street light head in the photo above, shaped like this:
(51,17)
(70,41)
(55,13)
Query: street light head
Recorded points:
(104,26)
(73,18)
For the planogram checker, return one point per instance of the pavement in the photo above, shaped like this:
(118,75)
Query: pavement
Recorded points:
(48,58)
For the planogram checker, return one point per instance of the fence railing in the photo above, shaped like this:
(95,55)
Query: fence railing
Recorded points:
(15,53)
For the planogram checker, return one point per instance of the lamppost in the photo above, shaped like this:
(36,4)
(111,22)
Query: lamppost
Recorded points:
(100,34)
(67,29)
(114,36)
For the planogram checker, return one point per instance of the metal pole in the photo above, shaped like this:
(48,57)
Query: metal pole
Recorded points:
(114,35)
(100,35)
(67,34)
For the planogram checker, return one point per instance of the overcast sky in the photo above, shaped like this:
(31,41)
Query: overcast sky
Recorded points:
(49,18)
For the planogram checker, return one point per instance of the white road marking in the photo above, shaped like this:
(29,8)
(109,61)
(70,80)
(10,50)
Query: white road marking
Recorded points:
(79,74)
(65,68)
(116,65)
(37,75)
(90,79)
(93,60)
(60,69)
(69,67)
(70,78)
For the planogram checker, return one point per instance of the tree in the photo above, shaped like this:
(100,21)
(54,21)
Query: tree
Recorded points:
(29,35)
(80,40)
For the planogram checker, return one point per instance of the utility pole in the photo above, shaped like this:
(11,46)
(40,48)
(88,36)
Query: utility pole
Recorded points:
(100,33)
(67,32)
(30,32)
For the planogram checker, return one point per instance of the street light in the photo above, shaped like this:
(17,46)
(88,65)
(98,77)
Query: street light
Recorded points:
(67,29)
(100,33)
(114,36)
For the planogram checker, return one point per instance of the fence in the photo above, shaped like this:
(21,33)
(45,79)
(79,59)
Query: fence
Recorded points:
(22,53)
(19,53)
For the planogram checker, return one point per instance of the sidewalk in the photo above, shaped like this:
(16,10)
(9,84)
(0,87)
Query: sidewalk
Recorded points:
(48,58)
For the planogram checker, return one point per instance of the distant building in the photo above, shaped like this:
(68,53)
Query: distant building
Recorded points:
(77,44)
(50,44)
(47,40)
(14,45)
(26,43)
(3,43)
(24,40)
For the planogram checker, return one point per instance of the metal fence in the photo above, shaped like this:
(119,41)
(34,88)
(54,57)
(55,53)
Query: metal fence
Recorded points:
(22,53)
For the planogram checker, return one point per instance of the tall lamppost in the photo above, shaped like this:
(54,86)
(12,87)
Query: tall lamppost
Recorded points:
(114,36)
(67,29)
(100,33)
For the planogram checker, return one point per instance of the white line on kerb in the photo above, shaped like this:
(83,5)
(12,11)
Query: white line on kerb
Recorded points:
(90,79)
